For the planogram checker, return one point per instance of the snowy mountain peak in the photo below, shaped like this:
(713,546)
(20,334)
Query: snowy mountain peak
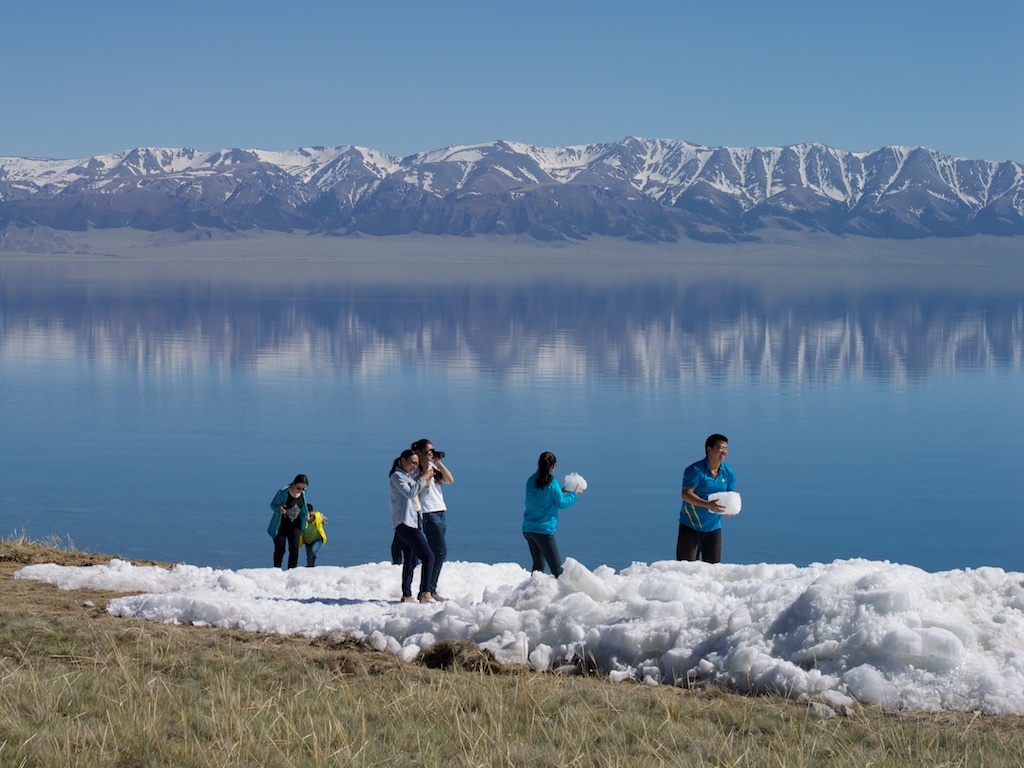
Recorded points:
(637,187)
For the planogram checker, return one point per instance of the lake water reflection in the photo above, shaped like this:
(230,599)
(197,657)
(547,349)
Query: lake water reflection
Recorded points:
(871,413)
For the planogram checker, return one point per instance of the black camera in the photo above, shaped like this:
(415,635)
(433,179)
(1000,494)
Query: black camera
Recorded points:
(438,454)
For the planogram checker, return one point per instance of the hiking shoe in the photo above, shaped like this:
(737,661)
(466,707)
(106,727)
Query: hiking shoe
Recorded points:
(409,599)
(426,597)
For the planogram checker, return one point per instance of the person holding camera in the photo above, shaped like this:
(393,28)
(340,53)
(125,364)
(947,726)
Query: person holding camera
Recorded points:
(433,507)
(405,517)
(288,523)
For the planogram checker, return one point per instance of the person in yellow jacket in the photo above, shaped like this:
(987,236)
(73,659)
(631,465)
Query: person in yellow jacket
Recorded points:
(313,537)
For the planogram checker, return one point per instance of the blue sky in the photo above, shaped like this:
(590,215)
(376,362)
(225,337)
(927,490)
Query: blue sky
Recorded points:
(86,78)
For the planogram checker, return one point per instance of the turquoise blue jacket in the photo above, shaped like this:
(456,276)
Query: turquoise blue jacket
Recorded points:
(542,505)
(279,499)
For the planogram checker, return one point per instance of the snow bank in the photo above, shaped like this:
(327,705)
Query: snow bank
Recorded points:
(875,632)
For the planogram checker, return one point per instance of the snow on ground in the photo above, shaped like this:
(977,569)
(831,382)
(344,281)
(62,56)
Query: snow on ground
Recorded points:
(878,633)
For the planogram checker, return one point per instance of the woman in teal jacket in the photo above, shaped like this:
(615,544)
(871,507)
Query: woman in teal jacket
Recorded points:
(544,497)
(288,522)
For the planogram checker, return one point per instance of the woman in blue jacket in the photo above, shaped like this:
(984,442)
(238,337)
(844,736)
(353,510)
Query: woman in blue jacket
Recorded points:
(544,497)
(289,520)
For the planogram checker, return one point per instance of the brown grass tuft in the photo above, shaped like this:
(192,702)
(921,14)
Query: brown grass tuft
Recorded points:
(461,655)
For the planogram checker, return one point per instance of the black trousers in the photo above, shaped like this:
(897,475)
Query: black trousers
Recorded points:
(691,543)
(289,533)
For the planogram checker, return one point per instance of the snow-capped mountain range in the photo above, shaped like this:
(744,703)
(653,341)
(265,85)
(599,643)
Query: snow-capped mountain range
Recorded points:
(652,189)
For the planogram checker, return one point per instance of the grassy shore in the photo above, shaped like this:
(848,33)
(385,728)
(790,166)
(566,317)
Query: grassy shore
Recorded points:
(81,687)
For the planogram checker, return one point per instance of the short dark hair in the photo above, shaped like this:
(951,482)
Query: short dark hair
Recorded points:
(714,440)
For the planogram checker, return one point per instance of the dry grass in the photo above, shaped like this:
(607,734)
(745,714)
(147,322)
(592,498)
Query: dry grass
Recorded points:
(84,688)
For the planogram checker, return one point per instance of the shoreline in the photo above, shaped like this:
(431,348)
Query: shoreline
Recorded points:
(273,257)
(773,246)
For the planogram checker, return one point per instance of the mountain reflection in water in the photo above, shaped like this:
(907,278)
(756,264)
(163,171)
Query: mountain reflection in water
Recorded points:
(702,331)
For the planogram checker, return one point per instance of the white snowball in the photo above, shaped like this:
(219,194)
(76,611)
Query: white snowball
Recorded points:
(574,480)
(541,657)
(728,499)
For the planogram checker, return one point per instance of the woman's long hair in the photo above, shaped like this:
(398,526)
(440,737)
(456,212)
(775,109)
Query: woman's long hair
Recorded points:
(545,464)
(419,445)
(406,454)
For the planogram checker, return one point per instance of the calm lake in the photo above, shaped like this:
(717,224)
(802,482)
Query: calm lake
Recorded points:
(876,412)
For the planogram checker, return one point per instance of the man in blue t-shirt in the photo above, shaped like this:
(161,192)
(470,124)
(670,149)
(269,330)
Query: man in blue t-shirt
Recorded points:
(700,521)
